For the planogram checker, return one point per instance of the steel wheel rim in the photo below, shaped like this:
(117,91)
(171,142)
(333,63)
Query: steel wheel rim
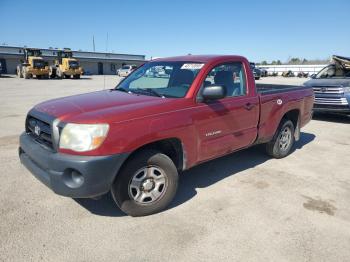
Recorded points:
(285,138)
(148,185)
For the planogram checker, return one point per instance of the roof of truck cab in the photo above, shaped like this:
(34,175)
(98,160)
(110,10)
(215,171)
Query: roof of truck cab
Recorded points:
(199,58)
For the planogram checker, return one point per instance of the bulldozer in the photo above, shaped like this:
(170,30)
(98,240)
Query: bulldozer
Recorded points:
(65,66)
(33,65)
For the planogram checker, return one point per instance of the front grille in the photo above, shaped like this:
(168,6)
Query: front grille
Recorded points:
(327,90)
(39,130)
(331,101)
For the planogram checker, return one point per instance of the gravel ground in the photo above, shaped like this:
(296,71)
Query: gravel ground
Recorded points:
(242,207)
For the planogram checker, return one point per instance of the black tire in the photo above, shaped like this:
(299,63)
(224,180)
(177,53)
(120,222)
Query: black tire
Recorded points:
(52,73)
(76,76)
(121,189)
(19,72)
(278,147)
(66,76)
(25,74)
(59,74)
(38,77)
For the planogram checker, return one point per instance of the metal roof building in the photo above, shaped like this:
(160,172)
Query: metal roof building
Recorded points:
(92,62)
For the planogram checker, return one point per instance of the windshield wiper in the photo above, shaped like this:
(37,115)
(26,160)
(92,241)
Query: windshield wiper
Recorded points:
(121,89)
(150,91)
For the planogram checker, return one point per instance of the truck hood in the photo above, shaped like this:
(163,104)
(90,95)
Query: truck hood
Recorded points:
(340,82)
(102,106)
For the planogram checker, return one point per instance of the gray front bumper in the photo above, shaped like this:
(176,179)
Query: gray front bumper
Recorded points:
(54,169)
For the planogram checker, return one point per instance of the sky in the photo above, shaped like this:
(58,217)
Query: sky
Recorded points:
(260,30)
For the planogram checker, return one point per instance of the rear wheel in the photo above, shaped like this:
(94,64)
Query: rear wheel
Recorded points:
(19,72)
(280,146)
(66,76)
(146,184)
(59,73)
(76,76)
(38,76)
(25,74)
(52,73)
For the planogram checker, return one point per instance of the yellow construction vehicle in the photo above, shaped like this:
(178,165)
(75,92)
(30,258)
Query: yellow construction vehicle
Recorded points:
(65,65)
(33,65)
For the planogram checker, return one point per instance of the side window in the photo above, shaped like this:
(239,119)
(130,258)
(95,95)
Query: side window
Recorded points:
(327,72)
(230,75)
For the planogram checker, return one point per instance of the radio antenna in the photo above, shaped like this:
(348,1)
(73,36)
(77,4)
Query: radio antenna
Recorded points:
(104,76)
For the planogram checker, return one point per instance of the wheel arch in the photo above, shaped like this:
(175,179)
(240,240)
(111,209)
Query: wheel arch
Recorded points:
(294,116)
(172,147)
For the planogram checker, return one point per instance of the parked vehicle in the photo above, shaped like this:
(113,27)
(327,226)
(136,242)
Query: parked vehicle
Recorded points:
(264,72)
(332,87)
(133,140)
(303,74)
(126,70)
(288,73)
(65,66)
(272,74)
(33,65)
(256,71)
(0,68)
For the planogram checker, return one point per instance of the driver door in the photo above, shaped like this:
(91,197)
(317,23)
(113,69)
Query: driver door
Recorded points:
(230,123)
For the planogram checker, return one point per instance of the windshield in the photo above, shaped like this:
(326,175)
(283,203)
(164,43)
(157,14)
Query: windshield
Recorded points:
(32,52)
(73,64)
(38,63)
(168,79)
(333,71)
(126,67)
(67,54)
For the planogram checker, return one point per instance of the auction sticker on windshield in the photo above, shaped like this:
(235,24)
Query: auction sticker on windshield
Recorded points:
(192,66)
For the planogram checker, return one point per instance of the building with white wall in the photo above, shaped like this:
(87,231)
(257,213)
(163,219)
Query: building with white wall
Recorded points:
(92,62)
(311,69)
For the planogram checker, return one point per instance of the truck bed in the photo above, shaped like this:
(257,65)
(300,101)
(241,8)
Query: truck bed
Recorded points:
(274,88)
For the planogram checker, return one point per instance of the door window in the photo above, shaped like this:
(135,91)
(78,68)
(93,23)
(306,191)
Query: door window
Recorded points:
(231,76)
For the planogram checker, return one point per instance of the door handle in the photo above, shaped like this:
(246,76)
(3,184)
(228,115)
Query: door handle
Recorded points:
(249,106)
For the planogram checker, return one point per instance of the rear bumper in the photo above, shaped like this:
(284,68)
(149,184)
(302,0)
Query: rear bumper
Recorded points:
(92,176)
(38,72)
(73,72)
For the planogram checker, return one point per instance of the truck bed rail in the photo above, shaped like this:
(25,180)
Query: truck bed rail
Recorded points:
(266,89)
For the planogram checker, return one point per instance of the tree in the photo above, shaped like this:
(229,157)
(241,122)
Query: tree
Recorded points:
(279,62)
(264,62)
(294,61)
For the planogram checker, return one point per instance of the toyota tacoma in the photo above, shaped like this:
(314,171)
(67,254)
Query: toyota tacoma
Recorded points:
(134,140)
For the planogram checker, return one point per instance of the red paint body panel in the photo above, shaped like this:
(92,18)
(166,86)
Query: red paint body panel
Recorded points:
(137,120)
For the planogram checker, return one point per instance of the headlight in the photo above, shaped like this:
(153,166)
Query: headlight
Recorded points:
(83,137)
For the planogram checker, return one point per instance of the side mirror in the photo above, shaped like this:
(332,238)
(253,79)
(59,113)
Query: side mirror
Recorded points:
(313,76)
(213,92)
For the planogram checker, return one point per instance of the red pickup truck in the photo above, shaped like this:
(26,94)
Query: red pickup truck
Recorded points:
(169,115)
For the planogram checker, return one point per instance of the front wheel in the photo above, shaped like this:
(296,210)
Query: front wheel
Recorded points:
(282,143)
(146,184)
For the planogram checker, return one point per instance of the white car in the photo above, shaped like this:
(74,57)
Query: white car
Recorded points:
(126,70)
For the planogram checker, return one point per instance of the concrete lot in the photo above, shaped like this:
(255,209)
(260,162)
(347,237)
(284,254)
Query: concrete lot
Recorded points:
(242,207)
